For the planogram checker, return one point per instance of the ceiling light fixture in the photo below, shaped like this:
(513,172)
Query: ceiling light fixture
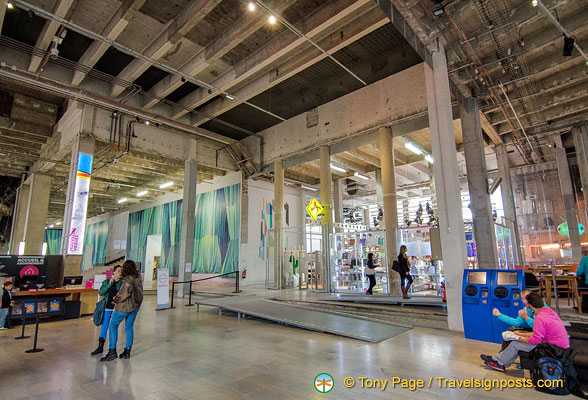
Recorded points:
(336,168)
(568,46)
(272,19)
(146,122)
(360,176)
(51,226)
(429,158)
(165,185)
(122,200)
(438,12)
(534,3)
(413,148)
(10,6)
(309,188)
(142,193)
(251,6)
(230,97)
(58,223)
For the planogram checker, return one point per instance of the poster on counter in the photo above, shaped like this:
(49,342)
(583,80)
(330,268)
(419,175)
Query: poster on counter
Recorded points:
(162,288)
(80,205)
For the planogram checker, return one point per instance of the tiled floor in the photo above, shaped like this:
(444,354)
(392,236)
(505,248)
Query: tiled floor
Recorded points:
(185,354)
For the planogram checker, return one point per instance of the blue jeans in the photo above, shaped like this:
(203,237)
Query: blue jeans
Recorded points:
(105,323)
(3,314)
(117,318)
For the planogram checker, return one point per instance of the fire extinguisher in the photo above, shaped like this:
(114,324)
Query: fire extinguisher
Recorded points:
(443,292)
(244,274)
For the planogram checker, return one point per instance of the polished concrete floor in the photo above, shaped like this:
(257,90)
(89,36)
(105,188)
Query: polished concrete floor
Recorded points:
(185,354)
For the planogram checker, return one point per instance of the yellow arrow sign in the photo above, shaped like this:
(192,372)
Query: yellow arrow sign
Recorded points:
(314,209)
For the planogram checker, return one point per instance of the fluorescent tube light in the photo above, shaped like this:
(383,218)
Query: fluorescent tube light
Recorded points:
(165,185)
(336,168)
(309,188)
(21,248)
(44,249)
(142,193)
(413,148)
(360,176)
(122,200)
(429,158)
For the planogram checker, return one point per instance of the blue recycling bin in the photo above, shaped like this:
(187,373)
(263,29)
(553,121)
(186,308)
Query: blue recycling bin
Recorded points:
(475,304)
(505,295)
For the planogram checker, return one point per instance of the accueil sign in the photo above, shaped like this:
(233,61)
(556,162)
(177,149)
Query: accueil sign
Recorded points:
(80,205)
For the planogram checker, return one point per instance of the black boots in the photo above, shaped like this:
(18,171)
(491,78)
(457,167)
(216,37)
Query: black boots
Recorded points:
(126,354)
(111,355)
(100,347)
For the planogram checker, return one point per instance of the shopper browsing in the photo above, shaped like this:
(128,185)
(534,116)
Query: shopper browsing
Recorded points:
(7,302)
(109,289)
(547,328)
(127,303)
(404,263)
(370,272)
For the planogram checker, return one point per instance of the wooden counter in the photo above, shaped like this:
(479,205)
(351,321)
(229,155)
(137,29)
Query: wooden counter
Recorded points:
(87,297)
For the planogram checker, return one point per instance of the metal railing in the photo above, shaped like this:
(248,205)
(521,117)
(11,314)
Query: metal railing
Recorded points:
(237,290)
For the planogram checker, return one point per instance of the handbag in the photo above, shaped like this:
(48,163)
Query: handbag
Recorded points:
(99,312)
(396,266)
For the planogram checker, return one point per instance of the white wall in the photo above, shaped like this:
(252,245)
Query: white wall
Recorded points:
(260,193)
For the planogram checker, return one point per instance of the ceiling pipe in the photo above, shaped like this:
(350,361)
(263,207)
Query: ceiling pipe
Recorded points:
(483,73)
(87,98)
(127,50)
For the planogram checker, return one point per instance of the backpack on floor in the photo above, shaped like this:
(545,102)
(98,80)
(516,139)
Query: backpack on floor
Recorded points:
(548,376)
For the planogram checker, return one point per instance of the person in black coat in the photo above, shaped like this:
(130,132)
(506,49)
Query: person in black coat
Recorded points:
(404,264)
(7,302)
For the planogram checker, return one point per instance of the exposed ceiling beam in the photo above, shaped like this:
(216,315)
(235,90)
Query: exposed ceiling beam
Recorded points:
(362,26)
(187,19)
(117,23)
(281,46)
(245,27)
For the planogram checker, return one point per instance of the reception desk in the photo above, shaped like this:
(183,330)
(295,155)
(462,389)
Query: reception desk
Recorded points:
(41,301)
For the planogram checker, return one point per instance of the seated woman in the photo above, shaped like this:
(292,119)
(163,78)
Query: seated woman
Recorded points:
(547,328)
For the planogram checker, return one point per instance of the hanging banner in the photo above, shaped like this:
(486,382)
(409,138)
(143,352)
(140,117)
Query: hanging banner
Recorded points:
(80,205)
(162,288)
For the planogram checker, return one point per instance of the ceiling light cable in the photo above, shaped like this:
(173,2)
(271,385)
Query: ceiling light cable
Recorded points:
(303,36)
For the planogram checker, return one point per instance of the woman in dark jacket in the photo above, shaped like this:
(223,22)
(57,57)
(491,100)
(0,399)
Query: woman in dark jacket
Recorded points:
(404,263)
(127,304)
(370,272)
(109,289)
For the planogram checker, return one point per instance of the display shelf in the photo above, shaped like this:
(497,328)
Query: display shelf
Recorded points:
(349,261)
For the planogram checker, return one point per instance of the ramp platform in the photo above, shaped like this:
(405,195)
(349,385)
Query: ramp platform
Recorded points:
(369,331)
(386,300)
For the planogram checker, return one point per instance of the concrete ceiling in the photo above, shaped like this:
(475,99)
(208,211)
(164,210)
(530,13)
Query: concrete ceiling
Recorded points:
(212,65)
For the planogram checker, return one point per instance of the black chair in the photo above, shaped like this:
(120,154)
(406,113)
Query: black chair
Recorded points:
(531,280)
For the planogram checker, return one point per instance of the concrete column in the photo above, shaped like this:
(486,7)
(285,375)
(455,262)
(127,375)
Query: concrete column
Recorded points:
(279,223)
(567,191)
(327,219)
(19,218)
(188,222)
(389,206)
(446,184)
(338,201)
(480,203)
(82,144)
(508,200)
(581,144)
(366,218)
(38,207)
